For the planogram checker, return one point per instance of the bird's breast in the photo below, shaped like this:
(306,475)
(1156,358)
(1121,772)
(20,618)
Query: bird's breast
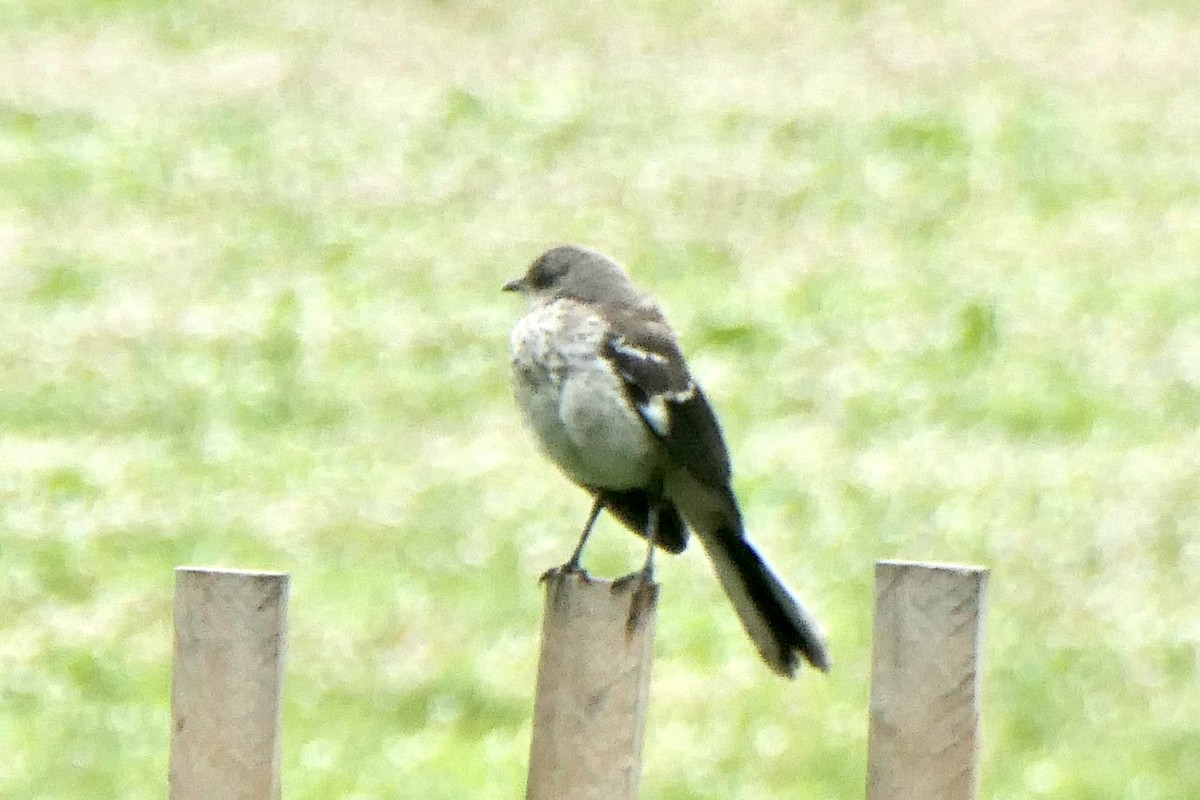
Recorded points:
(575,404)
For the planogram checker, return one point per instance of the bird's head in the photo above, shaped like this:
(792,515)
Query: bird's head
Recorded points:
(575,272)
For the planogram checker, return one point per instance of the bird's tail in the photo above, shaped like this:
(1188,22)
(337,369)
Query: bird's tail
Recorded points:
(777,622)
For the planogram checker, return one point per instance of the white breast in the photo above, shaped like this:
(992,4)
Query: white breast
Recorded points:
(575,406)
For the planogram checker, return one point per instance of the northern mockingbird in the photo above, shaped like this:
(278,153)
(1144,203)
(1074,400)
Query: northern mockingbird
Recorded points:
(601,382)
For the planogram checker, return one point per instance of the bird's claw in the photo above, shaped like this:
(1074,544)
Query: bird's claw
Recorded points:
(569,568)
(643,596)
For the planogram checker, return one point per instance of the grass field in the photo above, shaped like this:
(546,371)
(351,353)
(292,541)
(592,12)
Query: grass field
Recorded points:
(935,263)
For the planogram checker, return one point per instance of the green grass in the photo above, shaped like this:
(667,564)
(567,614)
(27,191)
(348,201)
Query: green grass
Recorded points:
(935,265)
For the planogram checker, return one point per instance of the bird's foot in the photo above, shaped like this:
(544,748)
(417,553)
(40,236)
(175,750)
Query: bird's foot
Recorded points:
(642,577)
(570,568)
(643,596)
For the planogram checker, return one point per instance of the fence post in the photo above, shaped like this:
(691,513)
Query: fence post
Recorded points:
(227,677)
(592,689)
(924,730)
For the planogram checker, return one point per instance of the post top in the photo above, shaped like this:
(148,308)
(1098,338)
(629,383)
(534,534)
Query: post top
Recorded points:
(222,571)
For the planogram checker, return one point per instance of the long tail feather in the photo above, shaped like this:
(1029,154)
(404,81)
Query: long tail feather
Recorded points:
(777,622)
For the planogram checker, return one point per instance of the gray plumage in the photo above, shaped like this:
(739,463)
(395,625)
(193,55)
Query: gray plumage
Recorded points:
(601,382)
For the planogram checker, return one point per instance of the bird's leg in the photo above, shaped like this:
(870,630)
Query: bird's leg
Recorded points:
(645,593)
(572,564)
(645,575)
(651,537)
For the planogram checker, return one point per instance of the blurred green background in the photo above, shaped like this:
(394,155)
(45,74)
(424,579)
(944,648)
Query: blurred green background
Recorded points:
(935,263)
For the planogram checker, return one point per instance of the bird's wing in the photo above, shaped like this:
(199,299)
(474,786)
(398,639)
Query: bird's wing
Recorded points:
(644,354)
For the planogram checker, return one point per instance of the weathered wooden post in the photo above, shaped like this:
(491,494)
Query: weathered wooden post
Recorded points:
(924,729)
(592,689)
(230,629)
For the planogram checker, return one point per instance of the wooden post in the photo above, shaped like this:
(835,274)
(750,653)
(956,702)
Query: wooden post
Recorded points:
(230,629)
(592,689)
(924,731)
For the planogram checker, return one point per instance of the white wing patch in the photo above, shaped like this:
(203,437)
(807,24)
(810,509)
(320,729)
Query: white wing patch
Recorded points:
(683,395)
(626,349)
(656,414)
(656,408)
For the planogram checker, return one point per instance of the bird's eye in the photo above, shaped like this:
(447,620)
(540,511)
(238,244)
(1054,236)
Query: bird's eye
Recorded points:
(545,274)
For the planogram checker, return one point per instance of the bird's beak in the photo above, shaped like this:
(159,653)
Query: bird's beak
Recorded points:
(515,285)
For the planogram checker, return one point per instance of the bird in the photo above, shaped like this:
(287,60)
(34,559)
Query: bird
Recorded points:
(600,380)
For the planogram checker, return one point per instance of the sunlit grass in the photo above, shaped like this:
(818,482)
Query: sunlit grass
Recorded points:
(934,264)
